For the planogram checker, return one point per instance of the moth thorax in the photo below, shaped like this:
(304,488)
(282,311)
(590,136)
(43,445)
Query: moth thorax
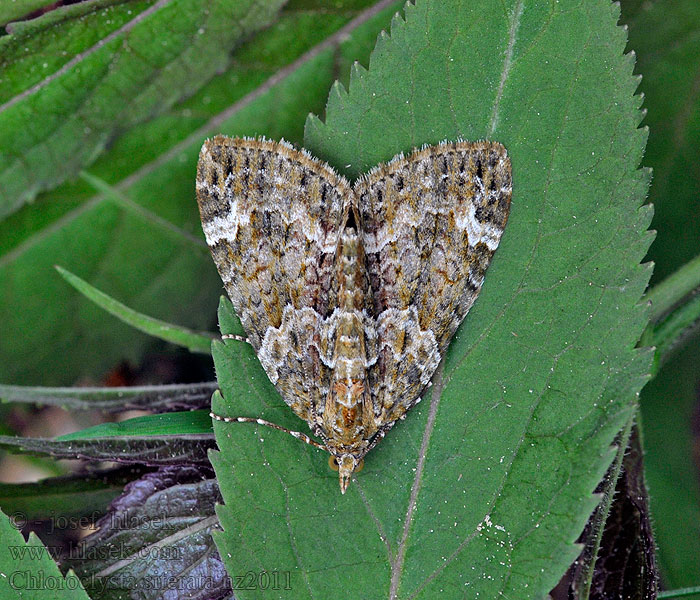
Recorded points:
(350,250)
(348,392)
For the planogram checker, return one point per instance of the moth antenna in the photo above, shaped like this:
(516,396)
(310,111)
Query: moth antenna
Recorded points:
(233,336)
(297,434)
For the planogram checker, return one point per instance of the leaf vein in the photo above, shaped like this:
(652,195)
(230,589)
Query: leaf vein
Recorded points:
(397,563)
(514,24)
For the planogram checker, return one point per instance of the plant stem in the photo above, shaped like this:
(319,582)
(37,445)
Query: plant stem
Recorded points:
(689,591)
(674,288)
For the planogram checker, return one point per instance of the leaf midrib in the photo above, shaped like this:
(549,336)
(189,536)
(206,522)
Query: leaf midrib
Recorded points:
(439,380)
(398,561)
(165,542)
(507,63)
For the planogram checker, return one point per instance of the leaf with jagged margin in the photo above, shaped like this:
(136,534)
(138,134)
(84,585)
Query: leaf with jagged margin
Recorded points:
(147,249)
(74,78)
(27,569)
(153,398)
(168,439)
(484,489)
(666,37)
(624,554)
(156,538)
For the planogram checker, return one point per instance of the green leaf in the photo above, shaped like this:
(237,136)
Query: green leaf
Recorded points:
(10,11)
(666,38)
(482,491)
(168,439)
(154,398)
(228,320)
(192,340)
(28,570)
(194,422)
(52,337)
(95,69)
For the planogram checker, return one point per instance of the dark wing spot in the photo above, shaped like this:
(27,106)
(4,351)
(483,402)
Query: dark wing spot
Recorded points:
(479,169)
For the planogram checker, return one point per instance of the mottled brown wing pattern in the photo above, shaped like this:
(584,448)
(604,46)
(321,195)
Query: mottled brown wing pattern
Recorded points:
(272,217)
(350,295)
(431,223)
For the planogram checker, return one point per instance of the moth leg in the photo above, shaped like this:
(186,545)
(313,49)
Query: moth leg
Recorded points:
(297,434)
(233,336)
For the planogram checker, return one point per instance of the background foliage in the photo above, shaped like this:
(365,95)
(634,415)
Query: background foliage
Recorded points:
(142,244)
(666,37)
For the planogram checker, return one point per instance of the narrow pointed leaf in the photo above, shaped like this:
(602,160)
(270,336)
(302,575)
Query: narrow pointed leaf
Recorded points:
(192,422)
(192,340)
(170,439)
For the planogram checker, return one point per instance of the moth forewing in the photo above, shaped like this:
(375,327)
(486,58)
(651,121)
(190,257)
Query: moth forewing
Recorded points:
(350,294)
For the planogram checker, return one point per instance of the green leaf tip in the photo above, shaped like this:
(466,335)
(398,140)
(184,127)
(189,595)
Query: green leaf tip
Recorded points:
(26,567)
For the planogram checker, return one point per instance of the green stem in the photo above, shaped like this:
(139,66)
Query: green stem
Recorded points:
(689,591)
(672,332)
(674,288)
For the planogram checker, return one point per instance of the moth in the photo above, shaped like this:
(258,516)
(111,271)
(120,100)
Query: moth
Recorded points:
(350,293)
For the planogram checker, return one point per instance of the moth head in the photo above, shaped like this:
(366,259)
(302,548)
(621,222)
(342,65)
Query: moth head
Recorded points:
(346,465)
